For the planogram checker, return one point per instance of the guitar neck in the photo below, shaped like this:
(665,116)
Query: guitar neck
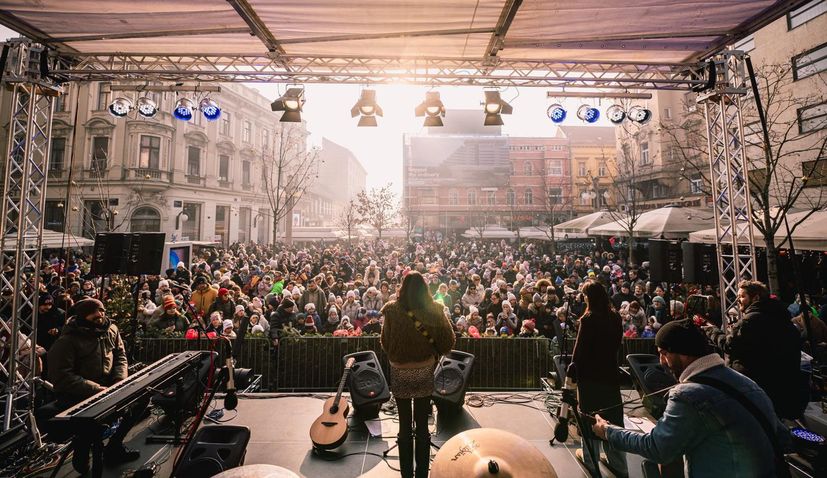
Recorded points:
(341,387)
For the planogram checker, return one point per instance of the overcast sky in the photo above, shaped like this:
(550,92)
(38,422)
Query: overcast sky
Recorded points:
(327,112)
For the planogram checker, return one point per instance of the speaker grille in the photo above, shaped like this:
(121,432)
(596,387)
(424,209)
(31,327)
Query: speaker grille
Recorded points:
(367,383)
(448,381)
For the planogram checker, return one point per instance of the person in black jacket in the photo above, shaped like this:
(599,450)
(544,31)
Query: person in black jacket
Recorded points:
(50,321)
(766,347)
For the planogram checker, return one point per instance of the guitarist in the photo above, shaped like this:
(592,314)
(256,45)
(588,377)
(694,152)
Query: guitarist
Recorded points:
(415,333)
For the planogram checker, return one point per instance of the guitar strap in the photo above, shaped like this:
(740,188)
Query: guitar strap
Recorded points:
(422,330)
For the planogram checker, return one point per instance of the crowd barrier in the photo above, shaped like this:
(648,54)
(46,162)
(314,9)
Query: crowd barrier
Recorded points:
(314,363)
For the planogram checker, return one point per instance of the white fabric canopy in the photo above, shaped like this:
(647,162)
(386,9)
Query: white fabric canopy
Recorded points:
(810,235)
(316,233)
(51,240)
(649,31)
(670,222)
(491,231)
(579,226)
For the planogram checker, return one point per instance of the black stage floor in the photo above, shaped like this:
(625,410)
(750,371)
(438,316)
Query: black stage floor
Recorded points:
(280,424)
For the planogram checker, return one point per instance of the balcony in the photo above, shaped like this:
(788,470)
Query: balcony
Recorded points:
(196,180)
(151,179)
(246,187)
(57,173)
(94,173)
(224,183)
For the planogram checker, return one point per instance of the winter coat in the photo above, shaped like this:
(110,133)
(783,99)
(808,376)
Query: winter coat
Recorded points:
(371,303)
(403,342)
(469,299)
(316,297)
(350,309)
(595,351)
(160,320)
(85,360)
(53,319)
(227,308)
(204,300)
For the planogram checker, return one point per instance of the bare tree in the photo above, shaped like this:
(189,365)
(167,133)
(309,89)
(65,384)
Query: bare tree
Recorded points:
(479,222)
(348,219)
(555,203)
(378,207)
(785,167)
(287,171)
(407,220)
(625,186)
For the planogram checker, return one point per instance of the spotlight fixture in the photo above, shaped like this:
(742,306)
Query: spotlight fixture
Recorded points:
(588,114)
(367,108)
(556,113)
(494,107)
(291,102)
(640,114)
(146,107)
(120,107)
(616,114)
(184,109)
(209,108)
(432,108)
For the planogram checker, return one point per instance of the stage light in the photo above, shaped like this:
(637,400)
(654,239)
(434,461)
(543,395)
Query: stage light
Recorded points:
(556,113)
(616,114)
(210,109)
(588,114)
(494,107)
(638,114)
(184,109)
(120,107)
(367,108)
(146,107)
(291,102)
(432,108)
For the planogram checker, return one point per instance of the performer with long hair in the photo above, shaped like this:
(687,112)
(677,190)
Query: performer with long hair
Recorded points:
(415,333)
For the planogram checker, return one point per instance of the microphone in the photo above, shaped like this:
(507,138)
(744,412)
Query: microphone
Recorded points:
(230,400)
(561,430)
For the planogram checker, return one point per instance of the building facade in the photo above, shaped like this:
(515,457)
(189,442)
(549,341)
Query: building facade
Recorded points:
(592,166)
(196,180)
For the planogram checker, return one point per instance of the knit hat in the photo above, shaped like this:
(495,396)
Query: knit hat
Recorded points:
(529,324)
(169,302)
(227,324)
(163,284)
(288,303)
(591,273)
(536,297)
(222,292)
(85,307)
(659,299)
(239,308)
(216,314)
(45,299)
(683,337)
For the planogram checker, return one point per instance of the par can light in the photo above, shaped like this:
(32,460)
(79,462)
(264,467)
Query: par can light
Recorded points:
(639,114)
(184,109)
(209,108)
(588,114)
(556,113)
(146,107)
(120,107)
(616,114)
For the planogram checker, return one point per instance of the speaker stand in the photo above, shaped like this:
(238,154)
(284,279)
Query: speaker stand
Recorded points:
(413,437)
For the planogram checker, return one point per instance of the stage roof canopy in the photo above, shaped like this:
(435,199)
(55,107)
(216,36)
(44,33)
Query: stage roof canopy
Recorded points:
(425,41)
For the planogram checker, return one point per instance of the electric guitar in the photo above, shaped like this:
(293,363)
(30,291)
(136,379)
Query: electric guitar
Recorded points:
(330,429)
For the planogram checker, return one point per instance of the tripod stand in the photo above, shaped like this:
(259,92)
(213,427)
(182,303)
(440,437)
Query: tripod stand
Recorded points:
(413,436)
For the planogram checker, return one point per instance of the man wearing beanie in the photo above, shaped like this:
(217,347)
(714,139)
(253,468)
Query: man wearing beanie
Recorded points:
(706,419)
(87,358)
(224,304)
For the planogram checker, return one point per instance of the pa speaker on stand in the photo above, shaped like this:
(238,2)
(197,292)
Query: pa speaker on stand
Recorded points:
(451,380)
(367,384)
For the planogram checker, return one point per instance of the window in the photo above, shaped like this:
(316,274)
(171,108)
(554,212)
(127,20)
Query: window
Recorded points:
(244,224)
(245,173)
(581,168)
(810,63)
(510,197)
(193,161)
(225,124)
(265,138)
(528,169)
(805,13)
(644,153)
(53,215)
(191,228)
(746,44)
(601,169)
(472,198)
(812,118)
(492,198)
(246,131)
(555,195)
(150,157)
(56,162)
(222,215)
(103,97)
(100,151)
(453,198)
(223,167)
(696,186)
(667,113)
(94,218)
(555,168)
(145,219)
(816,171)
(529,197)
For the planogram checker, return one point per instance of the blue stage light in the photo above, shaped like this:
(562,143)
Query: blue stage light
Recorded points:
(184,109)
(588,114)
(556,113)
(210,109)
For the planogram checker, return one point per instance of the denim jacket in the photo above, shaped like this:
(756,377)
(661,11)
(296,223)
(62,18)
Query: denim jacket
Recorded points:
(715,433)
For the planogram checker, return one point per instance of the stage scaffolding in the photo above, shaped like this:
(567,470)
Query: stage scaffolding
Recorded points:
(35,81)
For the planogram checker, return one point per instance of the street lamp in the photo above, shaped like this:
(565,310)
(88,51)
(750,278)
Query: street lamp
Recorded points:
(180,218)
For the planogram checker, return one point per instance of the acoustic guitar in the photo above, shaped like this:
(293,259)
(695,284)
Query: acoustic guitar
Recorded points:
(330,429)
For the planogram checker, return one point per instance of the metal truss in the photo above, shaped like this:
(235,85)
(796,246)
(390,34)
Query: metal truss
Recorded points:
(375,70)
(728,175)
(21,223)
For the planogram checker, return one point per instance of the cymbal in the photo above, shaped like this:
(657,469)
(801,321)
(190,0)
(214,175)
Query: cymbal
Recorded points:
(257,471)
(490,452)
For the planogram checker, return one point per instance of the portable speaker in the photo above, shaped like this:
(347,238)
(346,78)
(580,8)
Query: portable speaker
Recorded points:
(451,379)
(146,251)
(366,383)
(665,258)
(212,450)
(700,263)
(111,253)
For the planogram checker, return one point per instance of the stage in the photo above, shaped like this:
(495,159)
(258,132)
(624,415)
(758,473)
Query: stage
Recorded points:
(280,423)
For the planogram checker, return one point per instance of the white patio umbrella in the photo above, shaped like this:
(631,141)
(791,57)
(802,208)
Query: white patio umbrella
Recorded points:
(51,240)
(491,231)
(579,226)
(810,235)
(670,222)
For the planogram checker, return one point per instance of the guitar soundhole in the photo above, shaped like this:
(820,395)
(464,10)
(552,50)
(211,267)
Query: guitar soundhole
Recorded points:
(367,383)
(448,381)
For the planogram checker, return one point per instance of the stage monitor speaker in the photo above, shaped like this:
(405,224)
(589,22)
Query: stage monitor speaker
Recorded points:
(451,379)
(366,383)
(665,258)
(650,377)
(700,263)
(146,251)
(111,253)
(212,450)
